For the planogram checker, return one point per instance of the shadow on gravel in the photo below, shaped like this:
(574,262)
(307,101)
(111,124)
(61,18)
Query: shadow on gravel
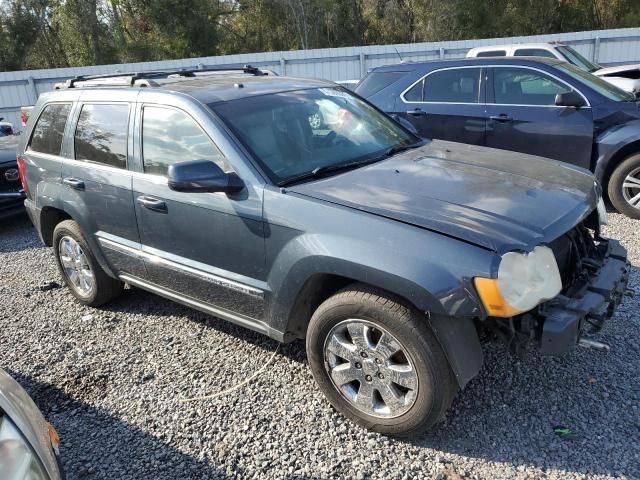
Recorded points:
(136,301)
(96,444)
(17,233)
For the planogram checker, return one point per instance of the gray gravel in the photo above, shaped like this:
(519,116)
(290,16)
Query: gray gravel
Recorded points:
(111,381)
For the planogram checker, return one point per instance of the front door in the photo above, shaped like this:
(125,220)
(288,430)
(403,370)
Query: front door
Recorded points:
(522,116)
(446,104)
(208,247)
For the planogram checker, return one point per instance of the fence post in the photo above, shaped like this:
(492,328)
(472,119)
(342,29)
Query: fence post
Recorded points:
(33,90)
(596,49)
(441,53)
(363,64)
(283,66)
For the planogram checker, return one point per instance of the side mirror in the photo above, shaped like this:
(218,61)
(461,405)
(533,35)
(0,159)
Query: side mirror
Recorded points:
(570,99)
(202,176)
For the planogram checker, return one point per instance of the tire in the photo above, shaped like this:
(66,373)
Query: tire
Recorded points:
(382,318)
(630,167)
(103,288)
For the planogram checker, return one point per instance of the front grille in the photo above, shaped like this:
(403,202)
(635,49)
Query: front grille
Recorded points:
(11,184)
(574,251)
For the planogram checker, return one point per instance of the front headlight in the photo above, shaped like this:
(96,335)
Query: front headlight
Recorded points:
(524,281)
(17,459)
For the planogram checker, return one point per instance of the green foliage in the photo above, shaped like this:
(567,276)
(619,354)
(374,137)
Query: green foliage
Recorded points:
(58,33)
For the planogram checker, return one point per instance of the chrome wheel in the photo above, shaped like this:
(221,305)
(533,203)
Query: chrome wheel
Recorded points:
(370,368)
(76,266)
(631,188)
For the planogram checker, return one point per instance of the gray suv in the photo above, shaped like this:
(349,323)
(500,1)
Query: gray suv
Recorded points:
(295,208)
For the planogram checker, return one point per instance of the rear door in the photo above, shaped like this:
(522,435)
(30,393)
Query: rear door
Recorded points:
(447,104)
(97,178)
(522,116)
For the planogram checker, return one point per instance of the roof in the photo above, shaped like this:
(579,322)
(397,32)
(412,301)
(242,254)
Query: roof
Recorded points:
(479,61)
(224,87)
(206,86)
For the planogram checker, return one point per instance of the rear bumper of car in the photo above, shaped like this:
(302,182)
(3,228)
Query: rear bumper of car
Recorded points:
(567,317)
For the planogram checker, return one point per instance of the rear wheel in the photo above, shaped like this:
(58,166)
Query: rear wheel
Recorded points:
(624,187)
(83,275)
(378,363)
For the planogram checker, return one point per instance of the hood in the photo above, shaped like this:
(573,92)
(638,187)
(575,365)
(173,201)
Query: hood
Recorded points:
(492,198)
(618,69)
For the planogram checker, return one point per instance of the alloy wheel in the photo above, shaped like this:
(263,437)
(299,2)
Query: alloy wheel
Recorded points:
(631,188)
(76,266)
(370,368)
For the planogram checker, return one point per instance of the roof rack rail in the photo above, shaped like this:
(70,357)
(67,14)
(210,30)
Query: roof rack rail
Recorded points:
(130,78)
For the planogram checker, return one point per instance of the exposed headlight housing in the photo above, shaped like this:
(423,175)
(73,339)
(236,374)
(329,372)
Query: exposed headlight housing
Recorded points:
(18,460)
(603,216)
(524,281)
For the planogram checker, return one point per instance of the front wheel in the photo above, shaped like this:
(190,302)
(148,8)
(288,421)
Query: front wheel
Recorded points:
(378,362)
(624,187)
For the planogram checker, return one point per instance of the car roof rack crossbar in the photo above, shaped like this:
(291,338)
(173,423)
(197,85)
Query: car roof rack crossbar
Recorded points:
(130,78)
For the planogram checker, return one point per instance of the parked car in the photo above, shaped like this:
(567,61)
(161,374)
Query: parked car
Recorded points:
(531,105)
(28,443)
(11,194)
(382,251)
(6,128)
(25,113)
(626,77)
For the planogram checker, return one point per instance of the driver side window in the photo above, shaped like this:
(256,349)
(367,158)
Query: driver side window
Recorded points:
(170,136)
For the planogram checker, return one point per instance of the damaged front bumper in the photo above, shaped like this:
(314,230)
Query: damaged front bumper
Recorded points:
(587,307)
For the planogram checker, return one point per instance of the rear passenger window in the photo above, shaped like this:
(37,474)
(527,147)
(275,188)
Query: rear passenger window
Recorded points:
(533,52)
(101,134)
(170,136)
(48,132)
(492,53)
(456,85)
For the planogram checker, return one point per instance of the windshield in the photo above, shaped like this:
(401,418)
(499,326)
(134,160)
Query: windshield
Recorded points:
(578,60)
(298,132)
(596,83)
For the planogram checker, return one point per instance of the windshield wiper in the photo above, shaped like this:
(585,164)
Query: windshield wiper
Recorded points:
(320,171)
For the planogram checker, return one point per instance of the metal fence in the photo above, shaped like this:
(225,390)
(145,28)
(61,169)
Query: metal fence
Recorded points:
(607,47)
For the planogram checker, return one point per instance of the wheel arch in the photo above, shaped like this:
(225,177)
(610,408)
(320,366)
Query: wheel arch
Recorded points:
(458,337)
(49,218)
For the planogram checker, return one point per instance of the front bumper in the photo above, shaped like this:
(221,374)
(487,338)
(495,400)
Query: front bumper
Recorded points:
(585,310)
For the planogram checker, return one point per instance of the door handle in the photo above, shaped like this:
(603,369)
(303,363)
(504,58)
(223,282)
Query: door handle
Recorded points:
(417,113)
(503,117)
(152,203)
(74,183)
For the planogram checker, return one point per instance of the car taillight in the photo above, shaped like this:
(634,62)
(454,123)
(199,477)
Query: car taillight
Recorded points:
(23,119)
(22,172)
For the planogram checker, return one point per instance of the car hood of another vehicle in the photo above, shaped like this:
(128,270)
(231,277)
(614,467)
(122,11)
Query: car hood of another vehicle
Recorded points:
(495,199)
(618,69)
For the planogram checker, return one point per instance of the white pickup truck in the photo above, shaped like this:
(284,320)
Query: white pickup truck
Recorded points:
(626,77)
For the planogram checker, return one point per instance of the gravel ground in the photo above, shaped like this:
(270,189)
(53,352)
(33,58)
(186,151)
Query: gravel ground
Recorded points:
(111,381)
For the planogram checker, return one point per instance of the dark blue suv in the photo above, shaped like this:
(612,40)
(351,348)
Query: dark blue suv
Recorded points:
(532,105)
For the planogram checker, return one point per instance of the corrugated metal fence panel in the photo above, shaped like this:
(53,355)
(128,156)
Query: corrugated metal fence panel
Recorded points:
(607,47)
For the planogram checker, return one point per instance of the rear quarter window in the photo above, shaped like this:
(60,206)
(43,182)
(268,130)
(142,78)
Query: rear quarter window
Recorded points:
(376,81)
(49,129)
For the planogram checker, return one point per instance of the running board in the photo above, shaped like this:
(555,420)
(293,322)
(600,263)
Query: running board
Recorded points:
(251,324)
